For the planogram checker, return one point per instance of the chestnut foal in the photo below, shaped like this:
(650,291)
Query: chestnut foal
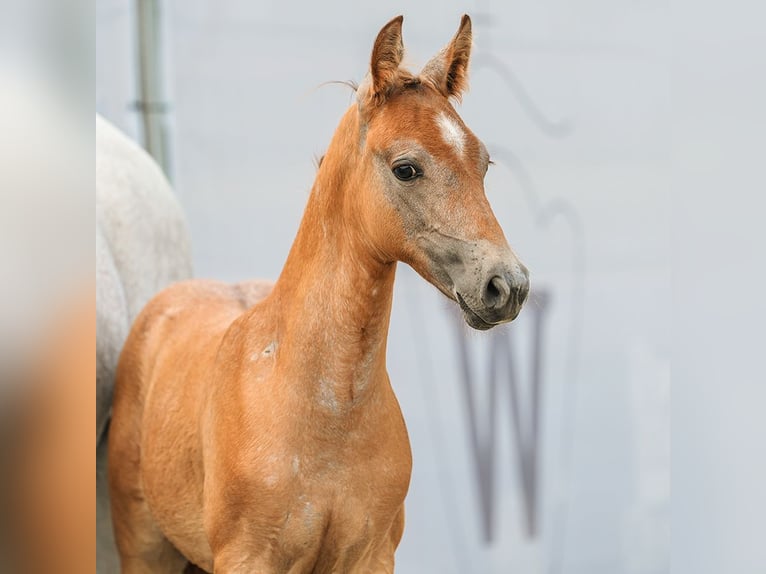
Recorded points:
(254,428)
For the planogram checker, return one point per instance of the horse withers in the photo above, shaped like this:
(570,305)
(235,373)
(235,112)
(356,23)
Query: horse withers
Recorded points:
(255,428)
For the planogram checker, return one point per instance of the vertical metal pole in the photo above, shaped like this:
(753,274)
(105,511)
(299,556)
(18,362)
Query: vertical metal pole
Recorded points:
(151,103)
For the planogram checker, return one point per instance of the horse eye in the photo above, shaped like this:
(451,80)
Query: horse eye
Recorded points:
(405,172)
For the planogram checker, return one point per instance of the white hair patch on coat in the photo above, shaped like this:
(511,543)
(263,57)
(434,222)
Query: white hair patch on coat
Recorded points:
(451,131)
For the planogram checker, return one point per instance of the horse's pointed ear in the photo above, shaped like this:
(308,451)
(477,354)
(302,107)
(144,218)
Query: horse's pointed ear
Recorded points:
(387,54)
(448,70)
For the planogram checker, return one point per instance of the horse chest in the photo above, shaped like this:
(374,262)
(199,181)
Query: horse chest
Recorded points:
(342,531)
(319,474)
(328,503)
(335,485)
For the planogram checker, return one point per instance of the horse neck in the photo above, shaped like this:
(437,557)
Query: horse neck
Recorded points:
(334,295)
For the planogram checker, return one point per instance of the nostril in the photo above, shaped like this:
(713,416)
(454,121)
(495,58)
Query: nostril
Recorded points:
(496,292)
(492,291)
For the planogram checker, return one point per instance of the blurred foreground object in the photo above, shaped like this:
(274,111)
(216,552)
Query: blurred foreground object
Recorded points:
(46,326)
(53,506)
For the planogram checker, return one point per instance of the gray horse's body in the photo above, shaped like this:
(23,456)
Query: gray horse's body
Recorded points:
(142,245)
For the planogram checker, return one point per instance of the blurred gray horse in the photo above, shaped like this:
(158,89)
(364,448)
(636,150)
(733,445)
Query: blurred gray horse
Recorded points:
(142,245)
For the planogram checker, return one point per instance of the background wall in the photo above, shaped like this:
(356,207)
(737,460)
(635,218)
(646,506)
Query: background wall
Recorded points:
(573,102)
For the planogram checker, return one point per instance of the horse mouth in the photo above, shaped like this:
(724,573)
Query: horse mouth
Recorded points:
(471,317)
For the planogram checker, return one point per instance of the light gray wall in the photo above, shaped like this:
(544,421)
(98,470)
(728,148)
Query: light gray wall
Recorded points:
(585,203)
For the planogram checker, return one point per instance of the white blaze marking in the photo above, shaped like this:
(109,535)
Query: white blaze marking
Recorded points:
(451,132)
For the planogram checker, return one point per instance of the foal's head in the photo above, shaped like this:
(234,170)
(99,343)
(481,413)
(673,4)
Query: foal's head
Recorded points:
(420,195)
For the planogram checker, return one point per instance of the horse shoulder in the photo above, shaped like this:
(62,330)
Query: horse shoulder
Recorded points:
(186,321)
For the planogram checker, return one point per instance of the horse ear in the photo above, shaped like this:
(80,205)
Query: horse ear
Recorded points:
(448,70)
(387,54)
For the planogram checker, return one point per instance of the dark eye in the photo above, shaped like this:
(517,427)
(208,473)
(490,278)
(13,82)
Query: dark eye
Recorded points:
(405,172)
